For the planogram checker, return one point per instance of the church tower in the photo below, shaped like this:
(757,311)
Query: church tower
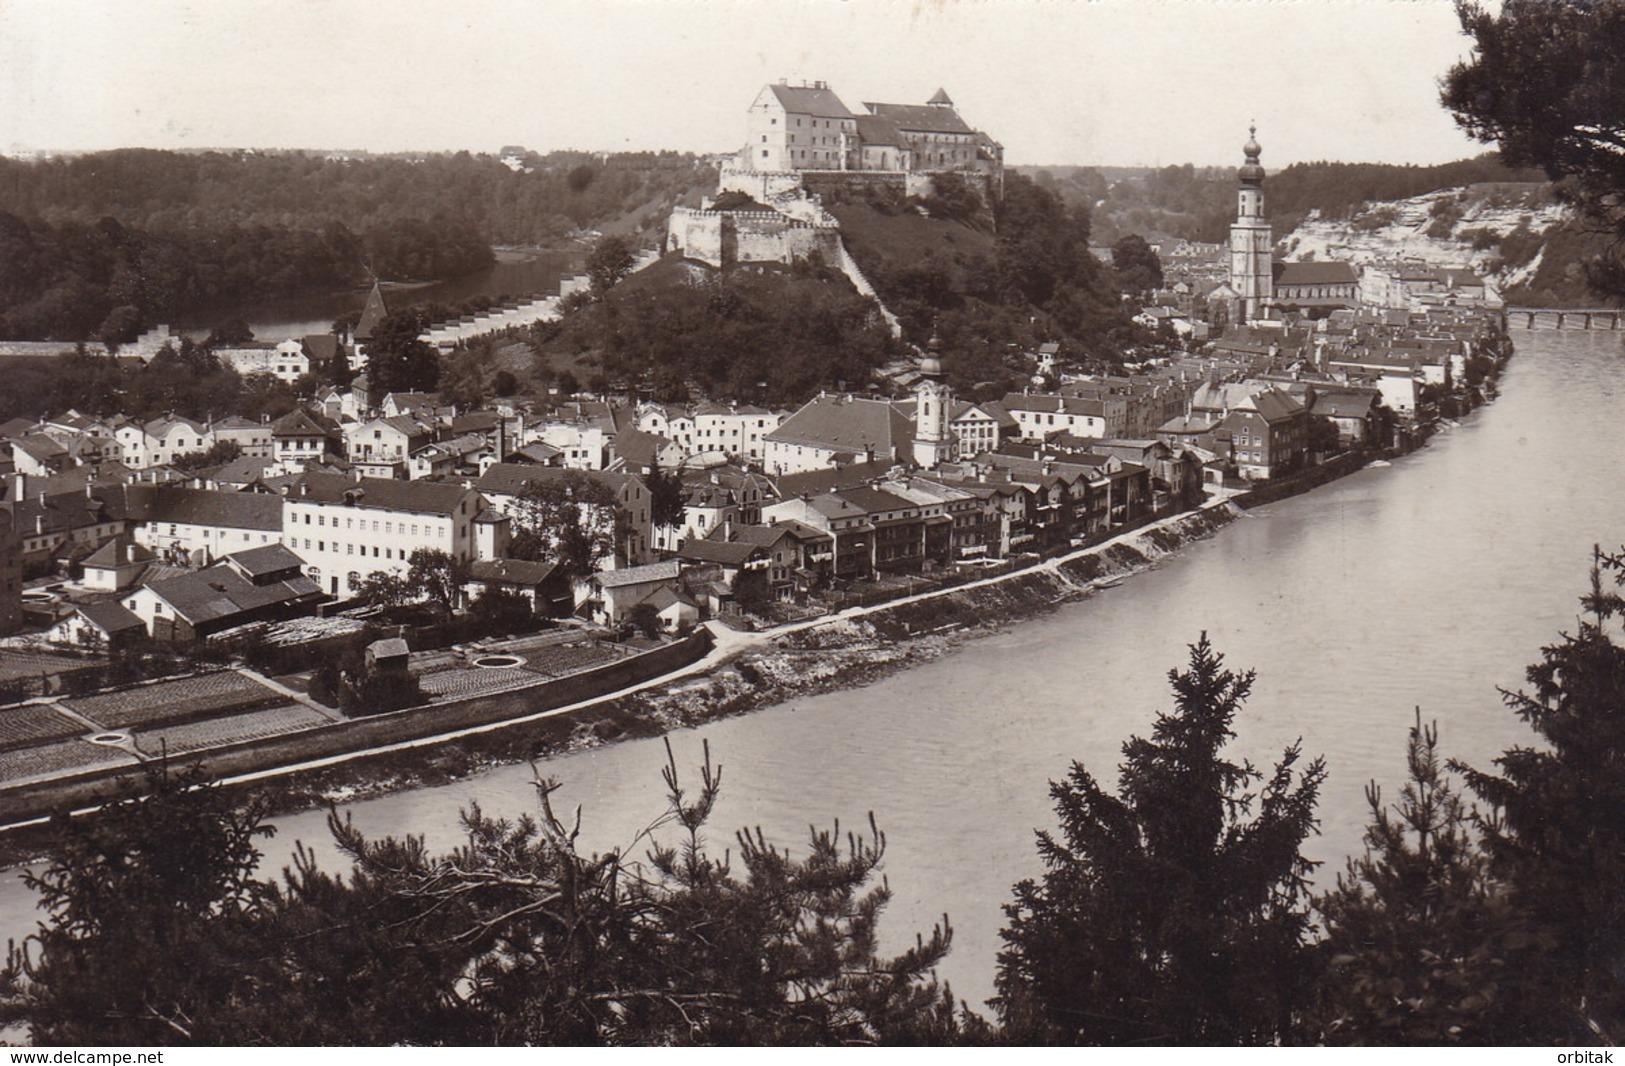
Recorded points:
(933,441)
(1252,271)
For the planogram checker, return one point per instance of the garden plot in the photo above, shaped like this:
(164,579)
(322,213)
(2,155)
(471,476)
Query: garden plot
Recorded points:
(49,760)
(444,686)
(228,729)
(169,701)
(33,723)
(564,659)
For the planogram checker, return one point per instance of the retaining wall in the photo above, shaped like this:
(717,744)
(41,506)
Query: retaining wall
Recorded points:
(358,734)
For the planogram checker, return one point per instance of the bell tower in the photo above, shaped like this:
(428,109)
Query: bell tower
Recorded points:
(1252,269)
(933,440)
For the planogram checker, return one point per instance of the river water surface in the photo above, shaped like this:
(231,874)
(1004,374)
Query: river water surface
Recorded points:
(1426,583)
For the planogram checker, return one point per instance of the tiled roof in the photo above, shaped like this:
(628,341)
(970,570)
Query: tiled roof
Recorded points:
(418,497)
(1047,402)
(117,552)
(511,571)
(875,500)
(300,423)
(847,424)
(637,575)
(40,447)
(219,592)
(727,553)
(872,129)
(110,616)
(761,536)
(921,118)
(1330,273)
(204,507)
(321,346)
(1273,404)
(267,559)
(819,103)
(816,481)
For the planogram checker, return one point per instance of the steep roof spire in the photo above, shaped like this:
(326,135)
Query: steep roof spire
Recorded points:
(371,315)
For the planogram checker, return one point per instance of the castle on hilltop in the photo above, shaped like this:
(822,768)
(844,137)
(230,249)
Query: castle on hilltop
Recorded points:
(805,149)
(807,127)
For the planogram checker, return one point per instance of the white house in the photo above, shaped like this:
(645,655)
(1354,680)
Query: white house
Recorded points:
(348,529)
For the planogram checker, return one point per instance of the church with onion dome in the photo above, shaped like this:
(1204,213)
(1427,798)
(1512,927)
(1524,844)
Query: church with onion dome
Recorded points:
(1259,287)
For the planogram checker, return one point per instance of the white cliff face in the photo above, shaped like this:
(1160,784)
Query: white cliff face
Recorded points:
(1398,230)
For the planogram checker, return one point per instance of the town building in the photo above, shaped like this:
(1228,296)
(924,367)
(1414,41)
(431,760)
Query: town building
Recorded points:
(834,430)
(251,586)
(347,529)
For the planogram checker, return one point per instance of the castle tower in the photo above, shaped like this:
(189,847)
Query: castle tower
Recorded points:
(1252,273)
(933,441)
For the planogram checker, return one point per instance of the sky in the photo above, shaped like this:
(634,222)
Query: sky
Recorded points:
(1099,82)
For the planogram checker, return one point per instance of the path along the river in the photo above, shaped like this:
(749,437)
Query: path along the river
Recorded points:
(1428,582)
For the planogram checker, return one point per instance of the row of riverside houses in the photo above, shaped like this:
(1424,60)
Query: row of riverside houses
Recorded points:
(844,489)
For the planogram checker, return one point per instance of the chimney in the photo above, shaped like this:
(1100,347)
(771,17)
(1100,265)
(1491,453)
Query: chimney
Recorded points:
(728,529)
(39,524)
(19,485)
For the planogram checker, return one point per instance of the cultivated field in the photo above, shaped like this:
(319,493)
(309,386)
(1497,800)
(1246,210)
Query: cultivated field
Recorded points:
(168,701)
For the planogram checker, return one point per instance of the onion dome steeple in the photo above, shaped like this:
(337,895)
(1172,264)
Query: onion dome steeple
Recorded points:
(931,365)
(1250,171)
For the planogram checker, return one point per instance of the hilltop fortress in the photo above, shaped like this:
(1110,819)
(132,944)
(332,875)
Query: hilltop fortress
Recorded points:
(803,144)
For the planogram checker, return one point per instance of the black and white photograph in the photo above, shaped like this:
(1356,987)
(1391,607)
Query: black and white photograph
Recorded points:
(811,523)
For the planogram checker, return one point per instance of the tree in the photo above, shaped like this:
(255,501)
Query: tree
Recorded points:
(1557,837)
(1166,914)
(574,519)
(437,576)
(162,934)
(122,325)
(153,933)
(610,261)
(217,454)
(431,576)
(398,359)
(556,946)
(231,333)
(666,497)
(645,618)
(1419,938)
(1138,267)
(384,588)
(1544,83)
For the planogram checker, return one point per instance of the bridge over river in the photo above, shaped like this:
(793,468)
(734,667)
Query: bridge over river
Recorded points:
(1565,318)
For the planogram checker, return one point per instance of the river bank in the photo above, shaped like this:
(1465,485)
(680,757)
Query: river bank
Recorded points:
(855,648)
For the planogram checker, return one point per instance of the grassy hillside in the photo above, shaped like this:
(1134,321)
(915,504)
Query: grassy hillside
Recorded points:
(885,242)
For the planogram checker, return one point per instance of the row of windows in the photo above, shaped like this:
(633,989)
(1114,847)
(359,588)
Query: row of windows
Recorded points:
(350,523)
(352,549)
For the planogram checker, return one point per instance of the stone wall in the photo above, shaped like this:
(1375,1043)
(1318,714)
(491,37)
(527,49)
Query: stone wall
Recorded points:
(726,238)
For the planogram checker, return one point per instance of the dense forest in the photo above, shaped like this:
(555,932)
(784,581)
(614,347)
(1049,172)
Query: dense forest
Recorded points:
(187,381)
(155,234)
(764,334)
(992,282)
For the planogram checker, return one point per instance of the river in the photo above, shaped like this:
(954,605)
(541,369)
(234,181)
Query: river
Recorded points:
(1425,583)
(516,273)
